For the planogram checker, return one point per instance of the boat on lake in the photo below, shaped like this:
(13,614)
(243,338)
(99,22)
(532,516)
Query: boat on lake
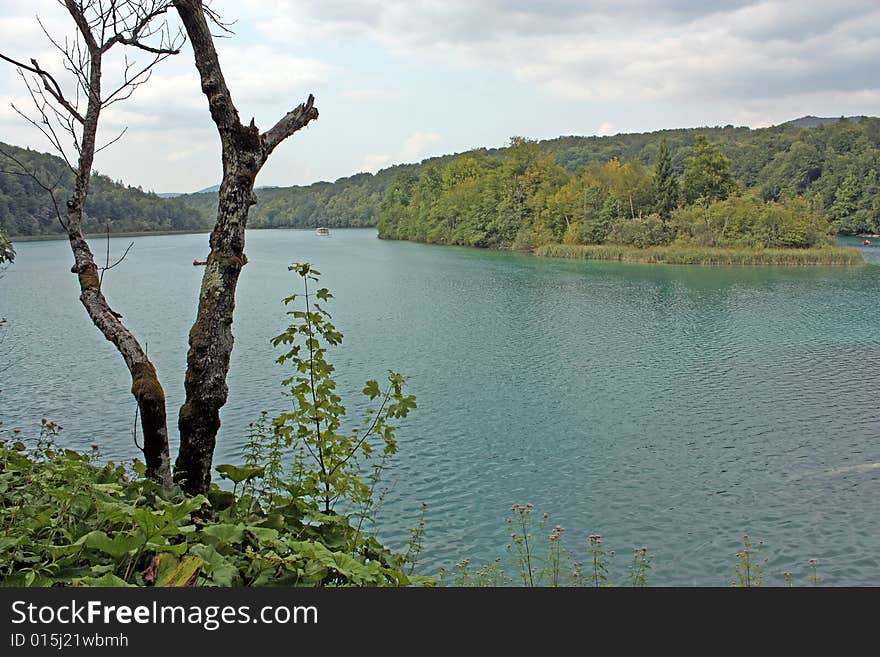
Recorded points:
(325,232)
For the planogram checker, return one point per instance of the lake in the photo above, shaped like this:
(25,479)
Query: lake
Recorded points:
(676,407)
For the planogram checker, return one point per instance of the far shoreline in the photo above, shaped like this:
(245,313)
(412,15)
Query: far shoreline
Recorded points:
(49,237)
(666,255)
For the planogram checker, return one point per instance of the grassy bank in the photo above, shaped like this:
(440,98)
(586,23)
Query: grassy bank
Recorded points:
(686,255)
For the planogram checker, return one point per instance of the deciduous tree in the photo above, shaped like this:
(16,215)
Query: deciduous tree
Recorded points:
(707,176)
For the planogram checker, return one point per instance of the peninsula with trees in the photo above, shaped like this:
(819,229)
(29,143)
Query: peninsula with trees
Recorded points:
(686,203)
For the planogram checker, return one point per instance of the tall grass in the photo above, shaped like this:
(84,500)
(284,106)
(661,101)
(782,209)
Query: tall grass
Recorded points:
(696,255)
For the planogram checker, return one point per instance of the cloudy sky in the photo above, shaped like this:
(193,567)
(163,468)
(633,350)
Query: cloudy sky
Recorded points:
(401,80)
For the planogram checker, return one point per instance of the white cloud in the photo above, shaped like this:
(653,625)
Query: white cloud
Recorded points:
(617,50)
(417,145)
(606,128)
(374,161)
(414,148)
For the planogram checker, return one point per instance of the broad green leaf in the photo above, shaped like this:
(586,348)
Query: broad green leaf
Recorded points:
(239,473)
(116,547)
(178,549)
(421,580)
(108,580)
(264,534)
(224,534)
(372,389)
(221,571)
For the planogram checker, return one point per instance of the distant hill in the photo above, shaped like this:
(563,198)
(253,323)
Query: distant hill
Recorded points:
(26,209)
(814,121)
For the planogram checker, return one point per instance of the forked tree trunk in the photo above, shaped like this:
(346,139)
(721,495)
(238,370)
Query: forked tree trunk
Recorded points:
(245,150)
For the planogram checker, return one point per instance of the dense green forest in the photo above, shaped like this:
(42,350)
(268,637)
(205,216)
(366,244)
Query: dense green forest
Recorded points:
(830,168)
(777,187)
(26,208)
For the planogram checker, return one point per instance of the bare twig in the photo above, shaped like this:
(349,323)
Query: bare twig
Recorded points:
(49,83)
(112,141)
(107,266)
(217,20)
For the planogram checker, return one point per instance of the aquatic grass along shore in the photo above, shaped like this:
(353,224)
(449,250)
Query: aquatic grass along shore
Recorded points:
(696,255)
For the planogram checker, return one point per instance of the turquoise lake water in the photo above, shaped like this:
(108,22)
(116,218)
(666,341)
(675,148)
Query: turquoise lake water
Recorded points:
(670,406)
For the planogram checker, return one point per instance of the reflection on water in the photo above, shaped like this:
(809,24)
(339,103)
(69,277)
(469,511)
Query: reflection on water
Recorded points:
(669,406)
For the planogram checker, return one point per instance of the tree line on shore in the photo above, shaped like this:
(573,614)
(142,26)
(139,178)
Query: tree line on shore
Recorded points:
(831,168)
(526,198)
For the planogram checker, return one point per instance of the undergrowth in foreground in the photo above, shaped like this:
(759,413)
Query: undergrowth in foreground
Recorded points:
(295,516)
(66,520)
(697,255)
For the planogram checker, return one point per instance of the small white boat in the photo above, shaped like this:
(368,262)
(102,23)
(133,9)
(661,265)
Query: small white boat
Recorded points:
(323,231)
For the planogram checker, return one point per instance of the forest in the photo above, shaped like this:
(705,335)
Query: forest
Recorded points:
(782,187)
(26,209)
(525,193)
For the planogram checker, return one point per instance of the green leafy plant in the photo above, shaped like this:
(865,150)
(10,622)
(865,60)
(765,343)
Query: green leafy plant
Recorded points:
(67,520)
(314,424)
(414,545)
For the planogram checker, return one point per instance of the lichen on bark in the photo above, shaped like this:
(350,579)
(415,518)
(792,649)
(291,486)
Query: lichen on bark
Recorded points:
(145,383)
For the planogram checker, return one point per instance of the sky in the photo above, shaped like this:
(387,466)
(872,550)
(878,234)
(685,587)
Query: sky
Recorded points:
(401,80)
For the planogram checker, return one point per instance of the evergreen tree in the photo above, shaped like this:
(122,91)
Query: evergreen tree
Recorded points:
(665,186)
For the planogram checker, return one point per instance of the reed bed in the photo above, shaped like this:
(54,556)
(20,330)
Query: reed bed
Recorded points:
(694,255)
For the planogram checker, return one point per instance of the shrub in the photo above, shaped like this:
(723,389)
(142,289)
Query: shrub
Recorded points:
(640,232)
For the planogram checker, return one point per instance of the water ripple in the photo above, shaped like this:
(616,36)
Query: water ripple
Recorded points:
(673,407)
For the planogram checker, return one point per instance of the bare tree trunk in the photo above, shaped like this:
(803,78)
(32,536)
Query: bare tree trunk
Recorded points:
(245,150)
(126,22)
(145,384)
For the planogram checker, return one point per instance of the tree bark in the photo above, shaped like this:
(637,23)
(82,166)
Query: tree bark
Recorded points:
(244,151)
